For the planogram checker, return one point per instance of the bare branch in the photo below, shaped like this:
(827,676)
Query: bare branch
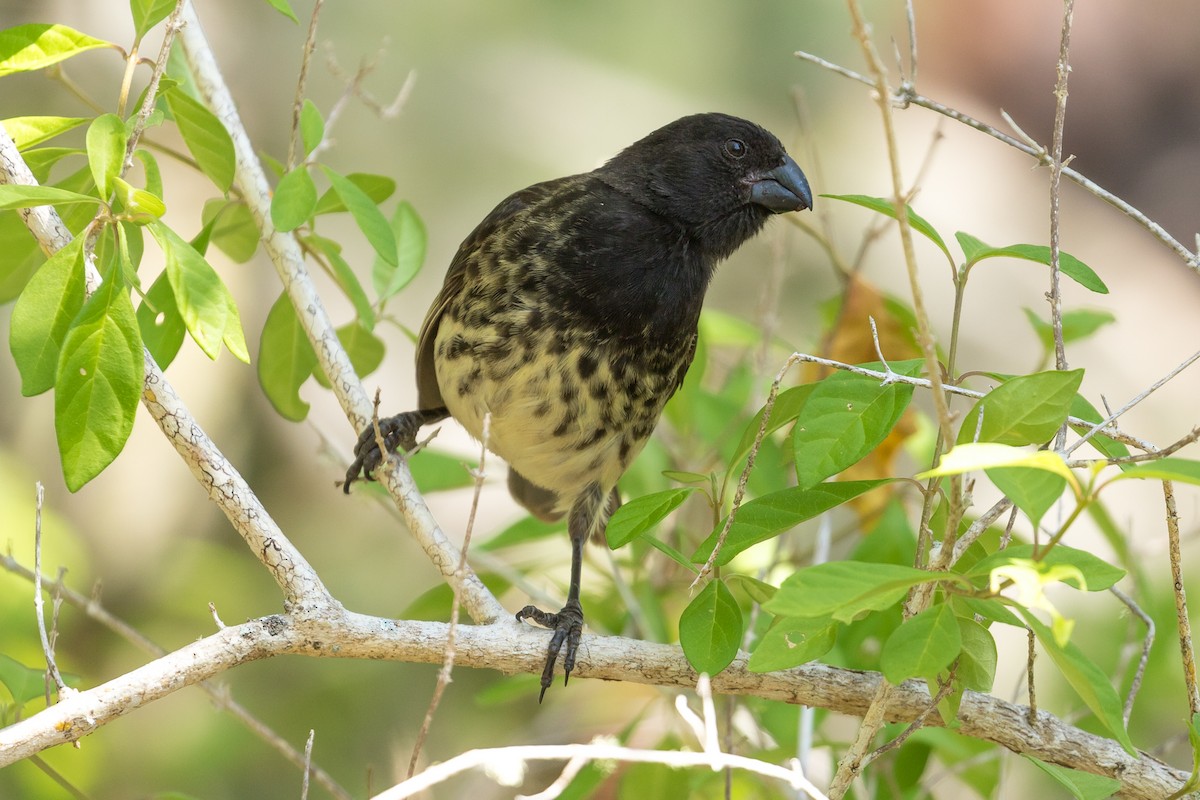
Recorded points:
(47,648)
(310,43)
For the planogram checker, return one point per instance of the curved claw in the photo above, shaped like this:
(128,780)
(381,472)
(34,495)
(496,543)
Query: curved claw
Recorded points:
(567,625)
(398,432)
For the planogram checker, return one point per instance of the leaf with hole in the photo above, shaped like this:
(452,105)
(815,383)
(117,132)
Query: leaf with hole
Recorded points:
(98,383)
(792,641)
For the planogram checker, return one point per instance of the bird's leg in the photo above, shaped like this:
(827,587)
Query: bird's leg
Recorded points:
(587,515)
(399,433)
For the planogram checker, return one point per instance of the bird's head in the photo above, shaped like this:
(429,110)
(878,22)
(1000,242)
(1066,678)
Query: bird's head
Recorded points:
(719,176)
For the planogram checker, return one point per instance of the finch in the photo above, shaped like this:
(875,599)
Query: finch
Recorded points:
(570,315)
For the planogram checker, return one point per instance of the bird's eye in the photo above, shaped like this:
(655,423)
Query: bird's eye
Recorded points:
(735,147)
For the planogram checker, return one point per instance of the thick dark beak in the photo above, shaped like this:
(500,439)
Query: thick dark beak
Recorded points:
(782,189)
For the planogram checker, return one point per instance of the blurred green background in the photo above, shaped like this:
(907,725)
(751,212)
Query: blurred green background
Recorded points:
(504,95)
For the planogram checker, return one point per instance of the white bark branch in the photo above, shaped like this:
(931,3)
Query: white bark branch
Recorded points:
(511,648)
(286,255)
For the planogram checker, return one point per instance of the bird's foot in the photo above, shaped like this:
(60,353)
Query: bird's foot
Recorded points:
(398,432)
(567,625)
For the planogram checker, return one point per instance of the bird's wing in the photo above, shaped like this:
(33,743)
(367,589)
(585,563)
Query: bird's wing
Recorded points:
(428,393)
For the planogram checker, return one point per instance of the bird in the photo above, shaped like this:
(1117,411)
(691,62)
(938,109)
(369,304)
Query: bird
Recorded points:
(569,317)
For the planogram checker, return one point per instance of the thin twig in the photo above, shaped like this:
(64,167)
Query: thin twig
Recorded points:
(1031,659)
(1192,259)
(1056,166)
(310,43)
(38,603)
(443,678)
(174,23)
(308,747)
(745,476)
(945,686)
(1147,641)
(1186,650)
(1100,426)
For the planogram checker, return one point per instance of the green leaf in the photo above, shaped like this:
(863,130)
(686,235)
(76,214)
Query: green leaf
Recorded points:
(141,206)
(1069,265)
(38,45)
(1076,325)
(1166,469)
(366,351)
(205,137)
(376,187)
(154,183)
(233,337)
(148,13)
(923,646)
(766,517)
(346,279)
(710,629)
(978,659)
(1028,409)
(792,641)
(366,215)
(30,131)
(844,419)
(758,591)
(846,589)
(106,138)
(1098,574)
(234,230)
(1081,785)
(640,515)
(294,201)
(160,322)
(525,530)
(411,239)
(1032,490)
(21,196)
(43,314)
(439,472)
(41,160)
(312,126)
(285,360)
(99,382)
(1088,680)
(202,298)
(887,207)
(283,7)
(23,683)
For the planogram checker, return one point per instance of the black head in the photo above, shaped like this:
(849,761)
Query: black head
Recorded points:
(718,176)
